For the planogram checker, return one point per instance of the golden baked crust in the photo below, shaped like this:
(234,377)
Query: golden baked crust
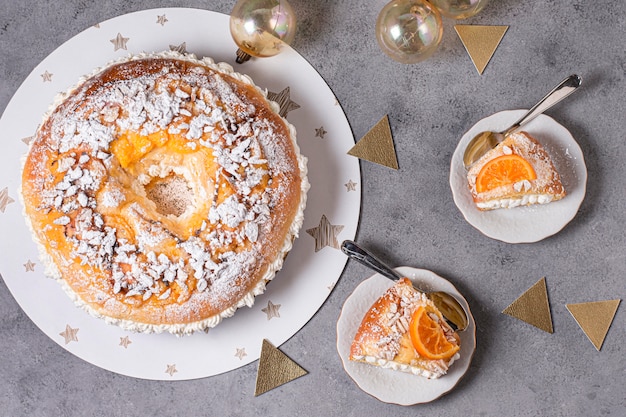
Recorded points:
(164,192)
(383,336)
(545,188)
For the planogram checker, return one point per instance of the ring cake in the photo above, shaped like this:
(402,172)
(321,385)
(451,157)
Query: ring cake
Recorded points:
(517,172)
(390,331)
(164,192)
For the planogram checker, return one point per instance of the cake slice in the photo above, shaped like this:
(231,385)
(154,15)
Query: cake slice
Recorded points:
(404,331)
(517,172)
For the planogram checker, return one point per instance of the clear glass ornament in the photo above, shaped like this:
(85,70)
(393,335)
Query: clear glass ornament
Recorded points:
(459,9)
(409,31)
(261,28)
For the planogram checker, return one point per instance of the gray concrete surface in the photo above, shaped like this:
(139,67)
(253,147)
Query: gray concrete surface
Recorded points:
(407,214)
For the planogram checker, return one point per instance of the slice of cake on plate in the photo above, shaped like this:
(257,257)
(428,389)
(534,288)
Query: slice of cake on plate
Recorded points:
(404,331)
(517,172)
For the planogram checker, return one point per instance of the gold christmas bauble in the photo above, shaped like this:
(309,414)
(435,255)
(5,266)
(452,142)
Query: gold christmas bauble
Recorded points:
(261,28)
(409,31)
(459,9)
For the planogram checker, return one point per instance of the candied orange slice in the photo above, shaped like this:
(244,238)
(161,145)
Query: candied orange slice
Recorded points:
(428,337)
(504,170)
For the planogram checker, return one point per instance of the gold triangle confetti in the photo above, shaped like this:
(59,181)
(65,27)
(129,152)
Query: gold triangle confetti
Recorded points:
(377,145)
(594,318)
(533,307)
(480,42)
(275,369)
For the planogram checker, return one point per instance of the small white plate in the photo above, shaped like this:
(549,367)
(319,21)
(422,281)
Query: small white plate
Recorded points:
(530,223)
(385,384)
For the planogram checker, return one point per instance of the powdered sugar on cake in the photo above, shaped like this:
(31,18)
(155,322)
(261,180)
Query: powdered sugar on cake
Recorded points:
(383,332)
(201,107)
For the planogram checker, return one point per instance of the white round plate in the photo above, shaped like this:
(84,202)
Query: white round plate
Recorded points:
(394,386)
(298,290)
(530,223)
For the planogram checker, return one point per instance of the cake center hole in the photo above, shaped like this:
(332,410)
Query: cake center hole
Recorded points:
(171,194)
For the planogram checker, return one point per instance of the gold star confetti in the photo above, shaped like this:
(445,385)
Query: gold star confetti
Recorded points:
(69,334)
(47,77)
(161,20)
(241,353)
(125,341)
(271,310)
(320,133)
(5,200)
(181,49)
(350,186)
(171,369)
(119,42)
(325,234)
(284,101)
(29,266)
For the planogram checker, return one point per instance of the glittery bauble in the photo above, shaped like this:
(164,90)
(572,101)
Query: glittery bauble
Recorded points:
(261,28)
(409,31)
(459,9)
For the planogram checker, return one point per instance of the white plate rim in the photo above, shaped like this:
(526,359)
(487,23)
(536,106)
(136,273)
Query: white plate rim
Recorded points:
(346,210)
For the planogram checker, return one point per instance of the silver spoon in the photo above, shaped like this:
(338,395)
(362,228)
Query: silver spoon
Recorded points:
(485,141)
(450,308)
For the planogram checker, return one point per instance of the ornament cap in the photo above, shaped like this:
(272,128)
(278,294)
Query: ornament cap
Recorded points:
(242,56)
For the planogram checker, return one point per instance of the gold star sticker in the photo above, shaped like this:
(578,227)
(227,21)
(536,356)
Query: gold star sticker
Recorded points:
(171,369)
(125,341)
(241,353)
(161,20)
(5,200)
(29,266)
(181,49)
(325,234)
(271,310)
(119,42)
(319,133)
(284,101)
(350,185)
(69,334)
(47,77)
